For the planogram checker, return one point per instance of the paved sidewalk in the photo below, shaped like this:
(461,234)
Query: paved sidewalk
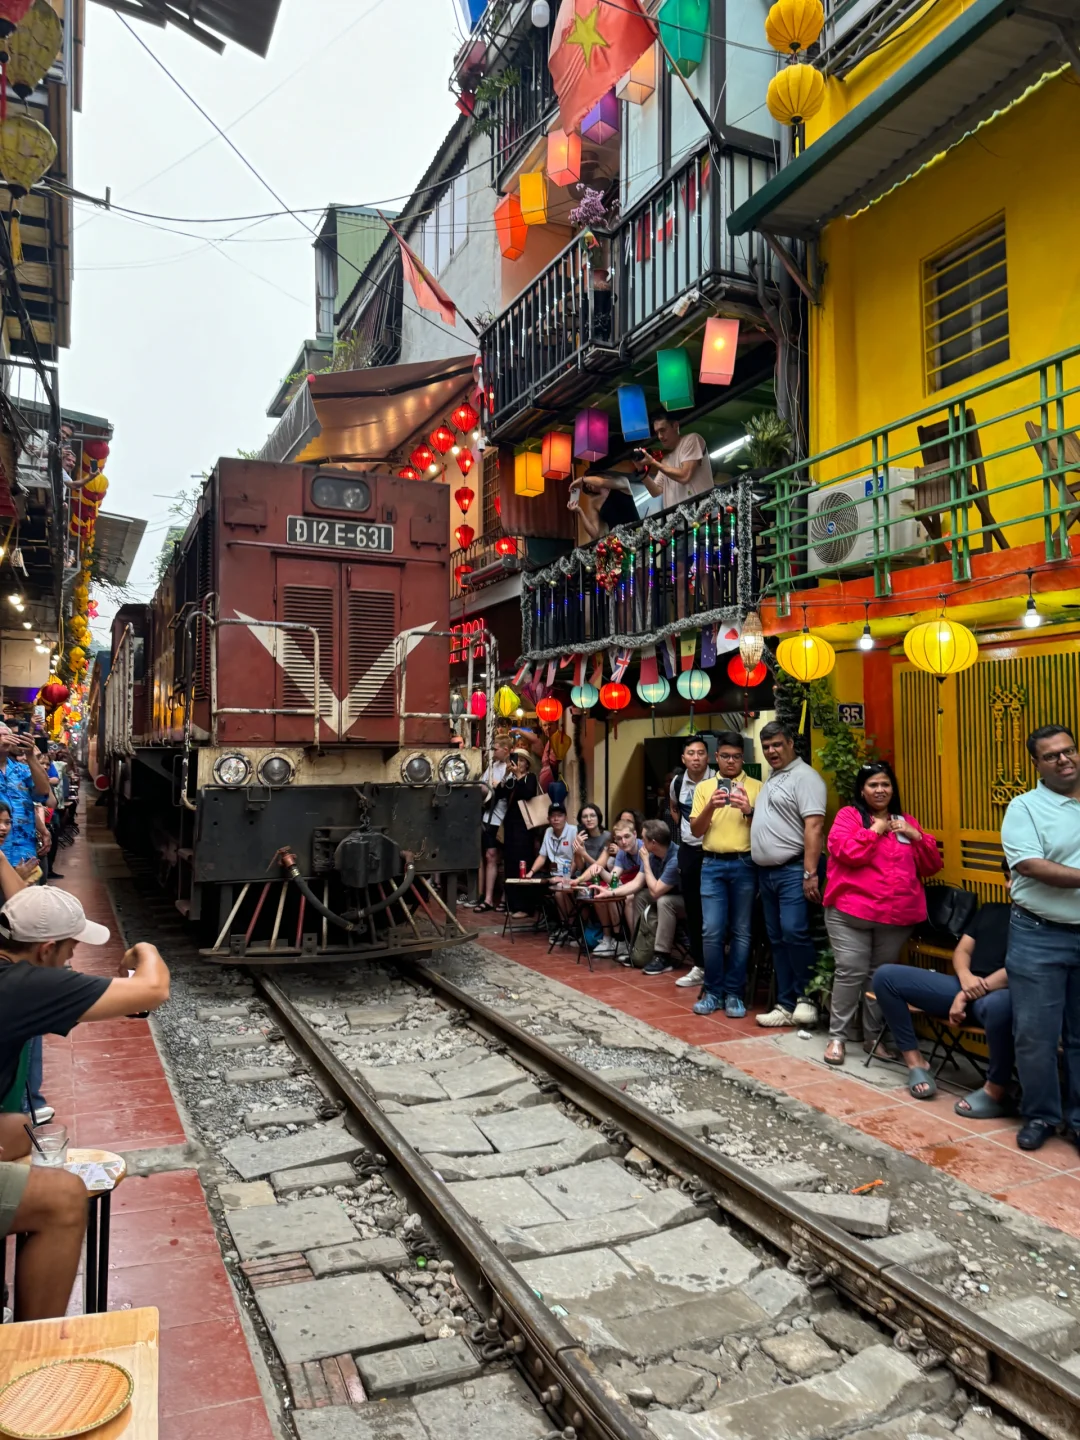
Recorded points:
(108,1086)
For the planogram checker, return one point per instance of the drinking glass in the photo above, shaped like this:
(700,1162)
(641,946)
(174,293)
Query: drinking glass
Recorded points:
(53,1140)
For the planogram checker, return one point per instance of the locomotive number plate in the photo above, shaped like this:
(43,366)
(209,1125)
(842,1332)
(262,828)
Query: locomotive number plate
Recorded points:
(339,534)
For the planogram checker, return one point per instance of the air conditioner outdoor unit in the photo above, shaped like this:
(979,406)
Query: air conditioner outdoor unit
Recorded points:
(835,513)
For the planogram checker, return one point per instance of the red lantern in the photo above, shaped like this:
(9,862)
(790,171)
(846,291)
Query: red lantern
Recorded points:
(464,417)
(54,694)
(460,571)
(478,704)
(463,498)
(498,507)
(96,450)
(408,473)
(614,696)
(465,461)
(422,457)
(557,455)
(442,437)
(464,535)
(11,12)
(511,229)
(506,545)
(738,672)
(549,710)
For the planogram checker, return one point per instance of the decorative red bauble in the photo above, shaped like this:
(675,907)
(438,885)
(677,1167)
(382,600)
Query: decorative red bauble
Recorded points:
(460,571)
(464,417)
(506,545)
(738,672)
(442,438)
(54,694)
(463,498)
(464,535)
(422,457)
(478,704)
(408,472)
(549,710)
(96,450)
(465,461)
(614,696)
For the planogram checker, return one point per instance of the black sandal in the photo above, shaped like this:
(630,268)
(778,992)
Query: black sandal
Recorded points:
(482,907)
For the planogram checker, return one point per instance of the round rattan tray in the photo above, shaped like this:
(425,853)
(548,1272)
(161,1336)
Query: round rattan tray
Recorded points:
(63,1398)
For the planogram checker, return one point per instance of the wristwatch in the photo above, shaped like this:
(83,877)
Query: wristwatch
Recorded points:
(808,874)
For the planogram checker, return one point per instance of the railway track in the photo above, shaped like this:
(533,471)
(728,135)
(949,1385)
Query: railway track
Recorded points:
(568,1341)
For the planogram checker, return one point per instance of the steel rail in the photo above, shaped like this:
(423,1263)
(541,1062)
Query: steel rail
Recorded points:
(519,1325)
(927,1323)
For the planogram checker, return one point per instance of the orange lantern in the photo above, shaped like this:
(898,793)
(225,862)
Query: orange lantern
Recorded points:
(464,535)
(463,498)
(510,227)
(563,158)
(557,455)
(549,710)
(718,351)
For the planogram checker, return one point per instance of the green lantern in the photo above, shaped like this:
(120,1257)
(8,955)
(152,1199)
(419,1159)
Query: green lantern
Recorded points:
(693,685)
(675,377)
(654,694)
(684,27)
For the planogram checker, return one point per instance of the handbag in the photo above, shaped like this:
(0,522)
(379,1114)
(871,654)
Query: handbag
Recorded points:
(535,811)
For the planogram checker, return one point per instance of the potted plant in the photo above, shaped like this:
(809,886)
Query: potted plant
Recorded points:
(769,445)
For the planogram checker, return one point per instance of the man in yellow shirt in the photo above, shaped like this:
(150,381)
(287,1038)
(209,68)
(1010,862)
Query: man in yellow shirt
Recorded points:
(722,813)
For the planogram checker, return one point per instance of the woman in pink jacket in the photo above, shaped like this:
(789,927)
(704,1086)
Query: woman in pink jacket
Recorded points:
(878,859)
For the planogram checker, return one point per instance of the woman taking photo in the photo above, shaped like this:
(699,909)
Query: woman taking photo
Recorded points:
(878,859)
(519,847)
(591,839)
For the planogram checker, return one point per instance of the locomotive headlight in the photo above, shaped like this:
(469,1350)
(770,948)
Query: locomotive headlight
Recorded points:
(454,769)
(416,770)
(275,770)
(232,770)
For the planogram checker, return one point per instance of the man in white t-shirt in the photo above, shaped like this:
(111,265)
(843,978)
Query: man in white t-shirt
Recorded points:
(694,769)
(684,472)
(492,816)
(557,847)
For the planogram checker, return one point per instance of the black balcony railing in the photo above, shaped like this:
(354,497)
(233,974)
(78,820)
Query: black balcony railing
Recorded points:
(489,560)
(517,112)
(599,299)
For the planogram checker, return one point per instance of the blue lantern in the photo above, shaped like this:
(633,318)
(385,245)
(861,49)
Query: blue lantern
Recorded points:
(584,697)
(634,413)
(693,685)
(656,693)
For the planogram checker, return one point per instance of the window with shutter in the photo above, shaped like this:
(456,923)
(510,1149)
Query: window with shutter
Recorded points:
(370,674)
(204,584)
(308,605)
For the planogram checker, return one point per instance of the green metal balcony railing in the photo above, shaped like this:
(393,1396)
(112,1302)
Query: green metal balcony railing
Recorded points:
(998,465)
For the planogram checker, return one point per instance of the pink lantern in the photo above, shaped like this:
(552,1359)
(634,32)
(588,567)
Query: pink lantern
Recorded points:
(563,158)
(602,121)
(591,435)
(718,351)
(478,704)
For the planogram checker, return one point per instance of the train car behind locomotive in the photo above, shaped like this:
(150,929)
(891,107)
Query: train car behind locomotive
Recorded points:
(276,719)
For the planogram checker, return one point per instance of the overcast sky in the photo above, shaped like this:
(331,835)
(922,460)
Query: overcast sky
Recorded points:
(182,339)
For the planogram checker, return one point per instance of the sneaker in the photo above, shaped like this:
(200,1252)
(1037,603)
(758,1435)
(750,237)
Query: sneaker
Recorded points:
(607,946)
(43,1114)
(734,1008)
(658,965)
(776,1017)
(707,1005)
(805,1013)
(691,978)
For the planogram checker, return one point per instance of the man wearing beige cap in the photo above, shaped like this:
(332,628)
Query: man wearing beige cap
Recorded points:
(39,995)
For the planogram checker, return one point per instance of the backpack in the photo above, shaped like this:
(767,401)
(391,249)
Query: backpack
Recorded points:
(644,943)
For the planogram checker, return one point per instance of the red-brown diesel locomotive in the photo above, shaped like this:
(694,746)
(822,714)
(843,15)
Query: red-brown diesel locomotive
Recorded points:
(277,719)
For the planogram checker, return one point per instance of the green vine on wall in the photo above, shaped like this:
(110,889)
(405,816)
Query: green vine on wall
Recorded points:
(844,749)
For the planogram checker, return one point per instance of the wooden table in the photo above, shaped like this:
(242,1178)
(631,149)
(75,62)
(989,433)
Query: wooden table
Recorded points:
(129,1337)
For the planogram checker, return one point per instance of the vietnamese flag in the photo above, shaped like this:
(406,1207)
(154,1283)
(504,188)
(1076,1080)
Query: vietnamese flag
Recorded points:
(594,44)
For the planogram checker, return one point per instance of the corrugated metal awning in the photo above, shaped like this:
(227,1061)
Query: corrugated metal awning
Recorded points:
(116,543)
(249,23)
(978,65)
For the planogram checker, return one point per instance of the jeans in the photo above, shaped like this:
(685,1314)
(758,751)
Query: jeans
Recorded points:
(728,887)
(860,947)
(787,921)
(898,986)
(690,887)
(1044,977)
(34,1073)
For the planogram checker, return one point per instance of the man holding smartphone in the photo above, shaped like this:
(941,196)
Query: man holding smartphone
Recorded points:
(24,782)
(684,472)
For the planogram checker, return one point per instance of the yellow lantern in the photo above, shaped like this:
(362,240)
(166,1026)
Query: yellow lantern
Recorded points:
(27,150)
(794,25)
(806,657)
(534,198)
(529,471)
(94,489)
(795,94)
(506,702)
(941,647)
(33,48)
(77,657)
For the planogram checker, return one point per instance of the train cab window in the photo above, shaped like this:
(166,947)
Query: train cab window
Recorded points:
(138,657)
(335,494)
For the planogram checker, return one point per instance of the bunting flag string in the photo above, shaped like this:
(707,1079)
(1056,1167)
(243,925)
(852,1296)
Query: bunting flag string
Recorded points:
(649,673)
(667,654)
(522,676)
(550,674)
(620,661)
(687,650)
(579,669)
(565,660)
(708,647)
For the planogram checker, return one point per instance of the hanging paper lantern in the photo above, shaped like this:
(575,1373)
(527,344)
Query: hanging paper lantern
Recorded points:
(55,693)
(463,498)
(693,685)
(675,379)
(464,417)
(941,647)
(719,351)
(464,535)
(633,413)
(751,640)
(77,657)
(795,94)
(746,677)
(457,704)
(602,121)
(408,472)
(528,472)
(563,158)
(465,461)
(478,704)
(510,227)
(584,697)
(97,451)
(794,25)
(422,457)
(534,197)
(506,702)
(614,696)
(806,657)
(96,488)
(460,571)
(11,13)
(33,48)
(654,693)
(92,610)
(557,455)
(684,28)
(27,150)
(441,438)
(591,435)
(506,545)
(549,710)
(639,82)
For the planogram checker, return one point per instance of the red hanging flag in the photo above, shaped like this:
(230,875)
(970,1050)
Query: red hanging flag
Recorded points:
(429,293)
(594,44)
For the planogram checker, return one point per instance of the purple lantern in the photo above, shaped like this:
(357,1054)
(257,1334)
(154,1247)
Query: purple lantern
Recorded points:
(591,435)
(602,121)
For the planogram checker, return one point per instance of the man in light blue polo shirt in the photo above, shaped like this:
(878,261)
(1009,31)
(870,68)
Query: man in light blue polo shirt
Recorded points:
(1041,839)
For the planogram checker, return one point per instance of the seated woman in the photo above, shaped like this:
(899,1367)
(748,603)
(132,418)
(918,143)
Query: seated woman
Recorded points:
(977,988)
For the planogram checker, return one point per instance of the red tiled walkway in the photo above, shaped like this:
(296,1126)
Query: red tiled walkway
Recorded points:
(981,1153)
(107,1085)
